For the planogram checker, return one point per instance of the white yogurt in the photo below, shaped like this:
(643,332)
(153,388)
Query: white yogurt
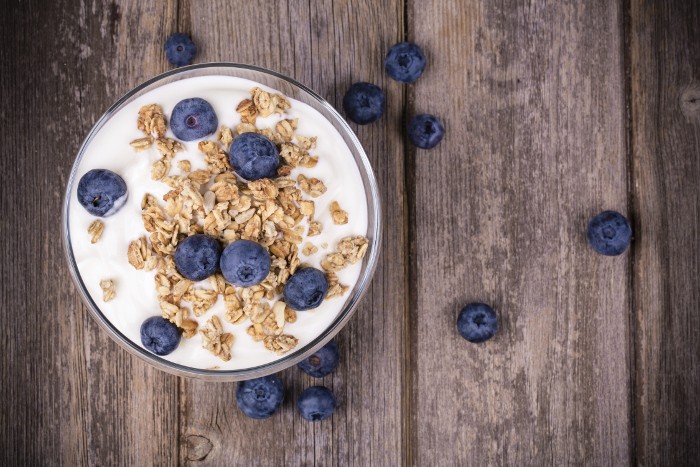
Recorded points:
(136,297)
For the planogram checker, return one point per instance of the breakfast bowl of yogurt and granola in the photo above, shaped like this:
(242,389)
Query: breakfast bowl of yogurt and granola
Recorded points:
(221,221)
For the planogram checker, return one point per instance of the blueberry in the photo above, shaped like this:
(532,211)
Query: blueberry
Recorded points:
(179,49)
(306,289)
(193,119)
(316,403)
(477,322)
(260,397)
(425,131)
(364,103)
(197,257)
(159,335)
(254,156)
(245,263)
(102,192)
(609,233)
(405,62)
(323,362)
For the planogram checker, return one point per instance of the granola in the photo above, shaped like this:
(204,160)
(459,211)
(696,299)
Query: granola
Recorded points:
(108,289)
(95,230)
(278,213)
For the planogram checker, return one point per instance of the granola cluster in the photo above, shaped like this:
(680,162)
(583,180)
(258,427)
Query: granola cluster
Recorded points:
(215,202)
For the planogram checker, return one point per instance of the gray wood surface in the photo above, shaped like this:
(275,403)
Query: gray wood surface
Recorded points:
(553,110)
(665,157)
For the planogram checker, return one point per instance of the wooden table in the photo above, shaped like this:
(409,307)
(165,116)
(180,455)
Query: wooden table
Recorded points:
(554,111)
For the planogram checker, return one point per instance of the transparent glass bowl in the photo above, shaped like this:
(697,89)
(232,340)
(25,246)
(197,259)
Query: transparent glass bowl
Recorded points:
(290,88)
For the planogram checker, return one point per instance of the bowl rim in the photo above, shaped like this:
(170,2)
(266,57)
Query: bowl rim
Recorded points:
(371,261)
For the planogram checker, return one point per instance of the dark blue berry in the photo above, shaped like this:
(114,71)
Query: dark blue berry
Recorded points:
(316,403)
(197,257)
(245,263)
(405,62)
(322,362)
(477,322)
(364,103)
(254,156)
(425,131)
(609,233)
(260,397)
(193,119)
(102,192)
(159,335)
(306,289)
(179,49)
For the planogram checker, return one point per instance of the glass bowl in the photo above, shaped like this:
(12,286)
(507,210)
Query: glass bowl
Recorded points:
(290,88)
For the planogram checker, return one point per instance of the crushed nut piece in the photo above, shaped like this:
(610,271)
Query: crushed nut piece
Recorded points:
(335,288)
(151,120)
(311,186)
(225,136)
(138,253)
(350,251)
(285,128)
(108,290)
(185,165)
(95,230)
(280,344)
(215,340)
(247,110)
(160,168)
(168,147)
(339,216)
(315,228)
(140,144)
(309,249)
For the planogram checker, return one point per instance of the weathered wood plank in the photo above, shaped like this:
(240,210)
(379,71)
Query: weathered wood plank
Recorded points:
(665,136)
(70,395)
(531,94)
(326,45)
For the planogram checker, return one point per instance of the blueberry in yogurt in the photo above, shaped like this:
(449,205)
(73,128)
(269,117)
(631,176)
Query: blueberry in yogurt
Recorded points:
(254,156)
(245,263)
(159,335)
(193,119)
(197,257)
(102,192)
(306,289)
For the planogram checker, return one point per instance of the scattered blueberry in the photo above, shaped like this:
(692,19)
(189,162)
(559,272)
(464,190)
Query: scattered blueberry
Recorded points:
(179,49)
(306,289)
(254,156)
(364,103)
(102,192)
(405,62)
(477,322)
(193,119)
(425,131)
(323,362)
(316,403)
(159,335)
(260,397)
(245,263)
(609,233)
(197,256)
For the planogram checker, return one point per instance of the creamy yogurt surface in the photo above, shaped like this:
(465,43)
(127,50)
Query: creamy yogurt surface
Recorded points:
(136,297)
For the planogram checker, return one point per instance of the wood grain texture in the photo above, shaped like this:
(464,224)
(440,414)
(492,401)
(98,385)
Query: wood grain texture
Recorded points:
(665,135)
(71,395)
(532,97)
(326,45)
